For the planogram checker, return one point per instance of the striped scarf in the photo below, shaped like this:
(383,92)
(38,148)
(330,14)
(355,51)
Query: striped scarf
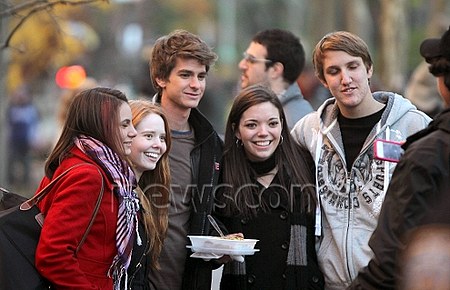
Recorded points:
(124,182)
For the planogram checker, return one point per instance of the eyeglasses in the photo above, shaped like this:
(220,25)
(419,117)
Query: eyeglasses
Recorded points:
(251,59)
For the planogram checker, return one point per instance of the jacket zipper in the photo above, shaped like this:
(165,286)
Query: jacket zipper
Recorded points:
(348,181)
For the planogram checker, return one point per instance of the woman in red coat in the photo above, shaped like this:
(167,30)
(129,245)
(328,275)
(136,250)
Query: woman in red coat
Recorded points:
(96,137)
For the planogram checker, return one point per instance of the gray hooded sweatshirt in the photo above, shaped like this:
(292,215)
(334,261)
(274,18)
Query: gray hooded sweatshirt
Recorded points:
(294,105)
(351,201)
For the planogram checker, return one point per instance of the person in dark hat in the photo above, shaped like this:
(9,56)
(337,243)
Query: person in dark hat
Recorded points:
(436,48)
(418,199)
(436,52)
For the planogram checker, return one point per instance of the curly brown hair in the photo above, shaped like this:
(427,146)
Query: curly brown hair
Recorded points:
(178,44)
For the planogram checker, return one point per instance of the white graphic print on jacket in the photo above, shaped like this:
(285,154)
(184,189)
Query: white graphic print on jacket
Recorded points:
(351,201)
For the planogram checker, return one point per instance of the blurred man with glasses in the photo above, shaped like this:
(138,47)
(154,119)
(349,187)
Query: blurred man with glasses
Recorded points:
(276,58)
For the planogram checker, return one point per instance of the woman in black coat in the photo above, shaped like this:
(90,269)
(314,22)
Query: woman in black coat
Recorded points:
(267,192)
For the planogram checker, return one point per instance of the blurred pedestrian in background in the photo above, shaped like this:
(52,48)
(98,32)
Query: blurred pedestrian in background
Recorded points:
(179,66)
(22,118)
(275,58)
(312,89)
(96,137)
(150,162)
(421,88)
(351,183)
(419,194)
(267,193)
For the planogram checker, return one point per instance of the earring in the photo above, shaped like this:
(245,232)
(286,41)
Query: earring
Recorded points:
(239,142)
(281,140)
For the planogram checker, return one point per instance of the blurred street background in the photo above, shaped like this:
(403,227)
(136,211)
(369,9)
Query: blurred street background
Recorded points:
(109,43)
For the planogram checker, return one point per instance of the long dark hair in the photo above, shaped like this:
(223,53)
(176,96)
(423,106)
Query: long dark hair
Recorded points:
(95,113)
(292,159)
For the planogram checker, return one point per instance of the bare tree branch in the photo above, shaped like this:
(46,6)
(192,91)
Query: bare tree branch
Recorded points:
(36,6)
(44,4)
(20,7)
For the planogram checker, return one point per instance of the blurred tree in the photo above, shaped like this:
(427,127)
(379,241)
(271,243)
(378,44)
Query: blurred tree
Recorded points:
(394,34)
(358,19)
(190,15)
(33,36)
(328,19)
(40,37)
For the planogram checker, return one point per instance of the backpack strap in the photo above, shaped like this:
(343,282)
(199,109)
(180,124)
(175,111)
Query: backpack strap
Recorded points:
(26,205)
(94,214)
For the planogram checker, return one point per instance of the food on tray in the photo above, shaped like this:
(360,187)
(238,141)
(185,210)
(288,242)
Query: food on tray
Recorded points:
(236,237)
(232,242)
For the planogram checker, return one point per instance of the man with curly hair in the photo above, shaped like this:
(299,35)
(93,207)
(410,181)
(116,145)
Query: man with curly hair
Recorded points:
(179,66)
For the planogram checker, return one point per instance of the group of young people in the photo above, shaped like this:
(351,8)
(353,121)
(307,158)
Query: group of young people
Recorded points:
(164,169)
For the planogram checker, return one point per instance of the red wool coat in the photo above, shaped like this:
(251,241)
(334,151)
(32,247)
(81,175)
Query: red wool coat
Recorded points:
(67,209)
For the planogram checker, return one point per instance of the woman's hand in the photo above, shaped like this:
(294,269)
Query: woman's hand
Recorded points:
(227,258)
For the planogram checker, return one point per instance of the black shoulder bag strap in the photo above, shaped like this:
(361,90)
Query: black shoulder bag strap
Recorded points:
(26,205)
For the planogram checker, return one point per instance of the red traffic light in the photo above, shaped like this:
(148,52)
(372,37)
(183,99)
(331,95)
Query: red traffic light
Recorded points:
(70,77)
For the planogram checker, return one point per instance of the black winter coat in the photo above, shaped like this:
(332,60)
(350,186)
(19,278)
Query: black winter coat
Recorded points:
(205,162)
(139,268)
(420,182)
(267,268)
